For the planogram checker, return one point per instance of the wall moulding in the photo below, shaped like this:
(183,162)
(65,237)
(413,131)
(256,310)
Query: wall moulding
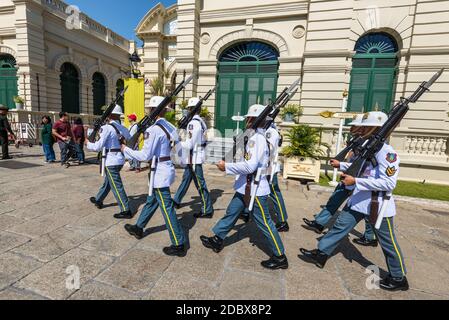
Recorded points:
(269,37)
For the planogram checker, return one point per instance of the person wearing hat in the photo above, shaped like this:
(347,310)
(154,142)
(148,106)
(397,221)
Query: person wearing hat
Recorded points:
(340,195)
(257,157)
(134,164)
(274,137)
(372,188)
(5,131)
(110,135)
(157,147)
(194,148)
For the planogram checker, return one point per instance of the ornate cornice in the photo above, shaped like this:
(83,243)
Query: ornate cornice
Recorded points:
(242,13)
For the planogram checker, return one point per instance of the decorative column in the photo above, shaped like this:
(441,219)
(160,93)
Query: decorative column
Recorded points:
(188,41)
(31,53)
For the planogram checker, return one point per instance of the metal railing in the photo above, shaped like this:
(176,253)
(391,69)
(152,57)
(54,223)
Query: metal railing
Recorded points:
(27,125)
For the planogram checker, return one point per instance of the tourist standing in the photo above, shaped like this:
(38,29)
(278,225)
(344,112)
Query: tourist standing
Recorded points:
(48,140)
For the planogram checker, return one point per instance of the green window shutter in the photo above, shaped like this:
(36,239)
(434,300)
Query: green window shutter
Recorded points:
(359,90)
(8,80)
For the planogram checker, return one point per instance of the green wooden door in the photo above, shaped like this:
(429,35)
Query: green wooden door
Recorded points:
(70,89)
(99,92)
(247,74)
(8,80)
(237,92)
(374,73)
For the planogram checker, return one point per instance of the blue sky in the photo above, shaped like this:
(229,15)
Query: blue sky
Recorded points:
(118,15)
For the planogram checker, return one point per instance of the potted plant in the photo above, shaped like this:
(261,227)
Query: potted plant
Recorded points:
(291,113)
(206,114)
(183,106)
(19,101)
(302,155)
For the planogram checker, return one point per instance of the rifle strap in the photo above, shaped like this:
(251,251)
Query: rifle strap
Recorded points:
(374,211)
(247,197)
(165,131)
(118,136)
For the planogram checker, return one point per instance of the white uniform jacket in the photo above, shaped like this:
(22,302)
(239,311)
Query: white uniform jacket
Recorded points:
(382,178)
(274,138)
(195,142)
(257,156)
(109,140)
(157,144)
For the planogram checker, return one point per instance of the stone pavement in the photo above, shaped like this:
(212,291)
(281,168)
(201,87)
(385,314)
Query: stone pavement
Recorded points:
(47,224)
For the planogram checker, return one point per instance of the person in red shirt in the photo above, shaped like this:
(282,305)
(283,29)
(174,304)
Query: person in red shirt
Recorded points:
(63,134)
(79,137)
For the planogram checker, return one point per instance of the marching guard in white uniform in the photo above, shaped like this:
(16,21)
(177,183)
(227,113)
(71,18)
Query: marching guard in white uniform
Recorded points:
(370,192)
(157,147)
(257,156)
(275,139)
(194,148)
(114,161)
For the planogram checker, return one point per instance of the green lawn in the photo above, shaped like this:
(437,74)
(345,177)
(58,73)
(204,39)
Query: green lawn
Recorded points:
(411,189)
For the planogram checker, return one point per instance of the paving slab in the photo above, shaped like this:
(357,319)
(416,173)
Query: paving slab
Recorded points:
(174,286)
(10,241)
(44,231)
(13,267)
(51,280)
(99,291)
(136,271)
(54,244)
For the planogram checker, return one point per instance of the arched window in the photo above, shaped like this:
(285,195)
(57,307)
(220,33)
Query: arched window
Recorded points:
(247,74)
(374,72)
(99,92)
(8,80)
(70,88)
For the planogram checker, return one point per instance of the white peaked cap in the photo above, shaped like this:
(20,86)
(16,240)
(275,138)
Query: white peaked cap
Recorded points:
(357,121)
(155,101)
(117,110)
(374,119)
(193,102)
(255,111)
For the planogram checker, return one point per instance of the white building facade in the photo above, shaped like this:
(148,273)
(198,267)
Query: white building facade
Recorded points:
(377,50)
(56,58)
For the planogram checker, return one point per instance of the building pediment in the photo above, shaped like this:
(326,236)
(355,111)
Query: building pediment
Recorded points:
(158,20)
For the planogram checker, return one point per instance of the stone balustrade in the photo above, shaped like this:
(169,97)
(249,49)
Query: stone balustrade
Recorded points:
(88,24)
(424,154)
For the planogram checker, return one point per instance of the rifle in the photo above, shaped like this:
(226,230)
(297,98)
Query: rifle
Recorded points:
(353,145)
(273,115)
(244,136)
(271,118)
(149,120)
(374,144)
(184,122)
(100,122)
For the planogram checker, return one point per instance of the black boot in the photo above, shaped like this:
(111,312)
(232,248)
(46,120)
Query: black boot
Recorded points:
(134,231)
(177,251)
(244,217)
(275,263)
(126,215)
(314,256)
(365,242)
(394,284)
(283,227)
(98,204)
(214,243)
(313,225)
(176,205)
(200,215)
